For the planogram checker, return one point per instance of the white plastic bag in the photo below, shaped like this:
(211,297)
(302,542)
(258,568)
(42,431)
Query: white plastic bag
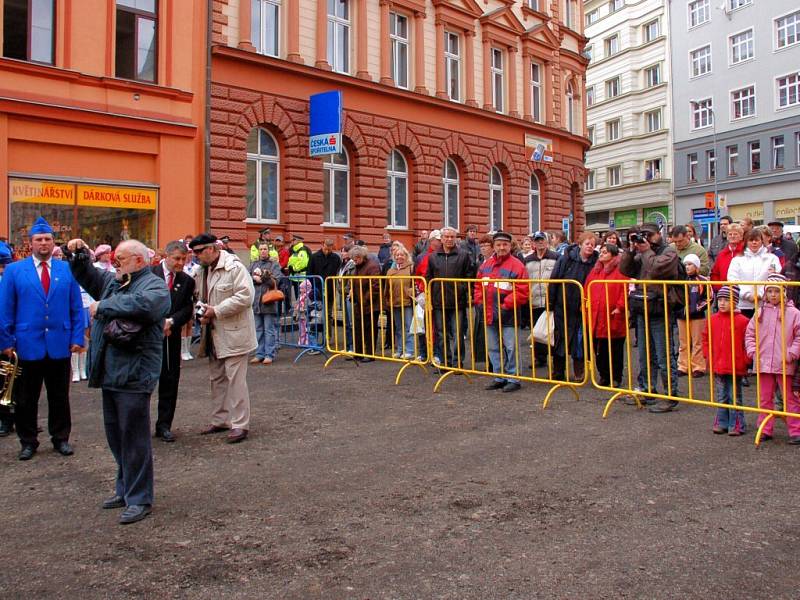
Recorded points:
(544,324)
(418,321)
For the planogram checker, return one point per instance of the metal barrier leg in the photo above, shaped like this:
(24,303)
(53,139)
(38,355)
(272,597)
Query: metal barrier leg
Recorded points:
(553,390)
(332,358)
(761,429)
(445,376)
(403,370)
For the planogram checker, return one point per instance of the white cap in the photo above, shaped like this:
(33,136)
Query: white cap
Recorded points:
(692,259)
(435,235)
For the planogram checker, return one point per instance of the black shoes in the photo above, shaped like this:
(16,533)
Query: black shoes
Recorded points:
(664,406)
(63,448)
(511,386)
(26,453)
(114,502)
(794,441)
(495,385)
(166,435)
(134,513)
(6,427)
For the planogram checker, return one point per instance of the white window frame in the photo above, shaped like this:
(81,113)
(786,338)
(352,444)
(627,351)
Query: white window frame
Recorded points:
(734,45)
(699,109)
(260,27)
(398,42)
(534,195)
(791,87)
(259,160)
(732,158)
(570,13)
(498,79)
(611,180)
(691,167)
(392,177)
(656,68)
(649,165)
(613,84)
(615,6)
(611,45)
(592,17)
(570,96)
(751,152)
(614,125)
(342,33)
(495,195)
(590,96)
(711,164)
(533,5)
(536,91)
(447,184)
(452,61)
(793,25)
(591,180)
(737,4)
(653,115)
(797,148)
(775,147)
(734,100)
(588,52)
(697,59)
(590,134)
(646,38)
(329,170)
(701,8)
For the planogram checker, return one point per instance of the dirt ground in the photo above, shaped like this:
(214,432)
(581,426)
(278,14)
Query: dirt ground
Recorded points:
(352,487)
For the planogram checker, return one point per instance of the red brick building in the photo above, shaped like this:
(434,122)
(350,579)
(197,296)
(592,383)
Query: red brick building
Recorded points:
(436,130)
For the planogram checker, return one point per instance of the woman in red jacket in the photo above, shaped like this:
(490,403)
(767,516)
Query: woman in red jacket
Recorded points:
(734,248)
(606,308)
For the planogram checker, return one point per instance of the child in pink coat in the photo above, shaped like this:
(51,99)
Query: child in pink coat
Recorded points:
(771,357)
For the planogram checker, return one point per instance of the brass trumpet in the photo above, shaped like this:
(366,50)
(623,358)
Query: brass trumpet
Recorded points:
(9,371)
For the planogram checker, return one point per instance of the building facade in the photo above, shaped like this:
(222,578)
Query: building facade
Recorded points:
(736,94)
(102,107)
(445,102)
(629,166)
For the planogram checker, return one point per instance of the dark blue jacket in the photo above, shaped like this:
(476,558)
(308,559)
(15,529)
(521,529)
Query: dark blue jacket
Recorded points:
(144,298)
(35,325)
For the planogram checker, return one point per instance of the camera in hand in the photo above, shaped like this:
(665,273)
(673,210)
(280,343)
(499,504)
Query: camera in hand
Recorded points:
(199,310)
(637,238)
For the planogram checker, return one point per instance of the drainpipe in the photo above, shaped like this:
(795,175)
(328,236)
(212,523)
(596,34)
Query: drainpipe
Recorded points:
(207,136)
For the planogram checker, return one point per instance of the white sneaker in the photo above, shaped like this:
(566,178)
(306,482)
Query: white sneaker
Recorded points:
(437,361)
(396,355)
(76,377)
(408,356)
(187,356)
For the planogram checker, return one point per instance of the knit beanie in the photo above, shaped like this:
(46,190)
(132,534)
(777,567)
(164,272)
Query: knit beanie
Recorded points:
(692,259)
(729,292)
(776,278)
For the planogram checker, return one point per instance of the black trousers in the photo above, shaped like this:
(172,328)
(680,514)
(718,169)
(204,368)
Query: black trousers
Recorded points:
(55,374)
(126,416)
(602,359)
(168,382)
(365,328)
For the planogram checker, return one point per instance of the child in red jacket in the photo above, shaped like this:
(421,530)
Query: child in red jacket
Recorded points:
(728,360)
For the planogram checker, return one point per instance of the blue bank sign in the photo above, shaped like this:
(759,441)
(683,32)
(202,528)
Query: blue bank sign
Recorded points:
(325,132)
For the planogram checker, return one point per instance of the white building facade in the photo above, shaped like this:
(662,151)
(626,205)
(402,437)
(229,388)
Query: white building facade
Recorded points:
(629,164)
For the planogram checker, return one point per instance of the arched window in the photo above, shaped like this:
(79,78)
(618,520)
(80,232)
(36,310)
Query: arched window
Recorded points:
(534,204)
(336,189)
(495,200)
(397,191)
(450,194)
(262,191)
(339,35)
(570,108)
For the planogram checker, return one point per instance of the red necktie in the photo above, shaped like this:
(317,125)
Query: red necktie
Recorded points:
(45,278)
(171,280)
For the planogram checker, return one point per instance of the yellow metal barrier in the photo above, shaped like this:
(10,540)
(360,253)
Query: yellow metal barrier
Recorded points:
(771,339)
(379,319)
(472,320)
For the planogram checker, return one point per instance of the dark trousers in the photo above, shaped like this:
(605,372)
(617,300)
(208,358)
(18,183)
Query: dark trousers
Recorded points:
(478,336)
(54,373)
(365,328)
(168,382)
(126,416)
(602,359)
(450,326)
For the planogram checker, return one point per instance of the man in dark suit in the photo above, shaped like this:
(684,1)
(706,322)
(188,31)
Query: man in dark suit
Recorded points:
(181,292)
(42,318)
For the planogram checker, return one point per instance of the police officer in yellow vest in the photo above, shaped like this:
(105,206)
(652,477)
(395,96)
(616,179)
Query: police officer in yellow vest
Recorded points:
(300,255)
(263,237)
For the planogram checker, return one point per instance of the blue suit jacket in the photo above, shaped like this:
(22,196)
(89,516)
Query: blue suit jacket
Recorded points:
(34,325)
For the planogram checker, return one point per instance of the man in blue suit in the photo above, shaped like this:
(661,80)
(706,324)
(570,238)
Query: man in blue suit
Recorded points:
(41,315)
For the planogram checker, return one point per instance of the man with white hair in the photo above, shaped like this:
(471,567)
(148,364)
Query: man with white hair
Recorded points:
(125,362)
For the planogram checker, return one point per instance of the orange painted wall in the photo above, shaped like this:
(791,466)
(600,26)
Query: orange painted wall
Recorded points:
(76,120)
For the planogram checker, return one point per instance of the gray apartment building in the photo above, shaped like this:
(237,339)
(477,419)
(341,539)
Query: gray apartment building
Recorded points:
(736,109)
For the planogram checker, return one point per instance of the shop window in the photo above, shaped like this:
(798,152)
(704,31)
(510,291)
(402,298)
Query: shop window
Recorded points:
(536,92)
(450,194)
(452,63)
(266,26)
(495,200)
(136,39)
(263,163)
(594,219)
(398,32)
(336,189)
(534,204)
(339,35)
(397,191)
(29,30)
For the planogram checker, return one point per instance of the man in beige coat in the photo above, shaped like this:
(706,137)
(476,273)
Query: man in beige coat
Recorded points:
(228,335)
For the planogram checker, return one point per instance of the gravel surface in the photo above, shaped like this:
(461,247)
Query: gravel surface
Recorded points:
(352,487)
